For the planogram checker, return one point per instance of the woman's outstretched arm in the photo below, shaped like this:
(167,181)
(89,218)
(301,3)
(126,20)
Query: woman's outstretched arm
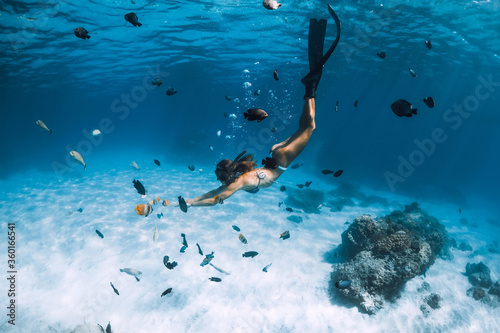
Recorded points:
(216,196)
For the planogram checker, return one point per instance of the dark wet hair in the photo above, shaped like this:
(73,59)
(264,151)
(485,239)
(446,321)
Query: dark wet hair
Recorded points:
(228,171)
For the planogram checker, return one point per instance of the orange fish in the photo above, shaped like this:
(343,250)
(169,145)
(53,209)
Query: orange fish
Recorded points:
(165,203)
(143,209)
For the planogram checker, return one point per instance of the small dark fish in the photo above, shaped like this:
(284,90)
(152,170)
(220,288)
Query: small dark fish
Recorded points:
(381,55)
(275,75)
(266,268)
(79,210)
(235,227)
(225,114)
(428,44)
(139,187)
(429,101)
(307,184)
(412,72)
(133,19)
(81,33)
(215,279)
(274,129)
(300,185)
(171,265)
(108,328)
(256,92)
(280,203)
(207,259)
(338,173)
(270,163)
(255,114)
(171,91)
(285,235)
(326,172)
(460,210)
(343,284)
(114,289)
(228,98)
(184,242)
(296,166)
(199,249)
(355,103)
(182,204)
(99,233)
(289,209)
(402,108)
(282,188)
(337,107)
(250,254)
(157,81)
(183,249)
(159,216)
(157,162)
(211,148)
(165,260)
(166,292)
(191,167)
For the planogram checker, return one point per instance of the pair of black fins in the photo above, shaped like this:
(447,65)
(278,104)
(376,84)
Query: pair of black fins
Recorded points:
(316,40)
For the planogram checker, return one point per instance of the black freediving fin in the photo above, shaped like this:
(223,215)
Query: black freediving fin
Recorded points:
(316,38)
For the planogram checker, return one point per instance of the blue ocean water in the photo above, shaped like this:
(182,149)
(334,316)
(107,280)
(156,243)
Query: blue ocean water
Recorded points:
(445,157)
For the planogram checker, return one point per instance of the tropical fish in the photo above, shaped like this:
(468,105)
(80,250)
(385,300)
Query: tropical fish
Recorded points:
(228,98)
(256,92)
(337,107)
(271,4)
(157,82)
(171,91)
(139,187)
(171,265)
(275,75)
(114,289)
(338,173)
(429,101)
(211,148)
(289,209)
(460,210)
(282,188)
(300,185)
(132,271)
(144,209)
(43,127)
(242,239)
(270,163)
(274,129)
(165,260)
(79,210)
(207,259)
(343,284)
(296,166)
(428,44)
(255,114)
(266,268)
(159,216)
(307,184)
(78,158)
(199,249)
(412,72)
(402,108)
(134,165)
(327,172)
(96,132)
(219,133)
(355,103)
(99,233)
(155,235)
(156,200)
(250,254)
(183,249)
(191,167)
(381,55)
(82,33)
(215,279)
(285,235)
(133,19)
(235,227)
(165,203)
(219,269)
(166,292)
(182,204)
(157,162)
(108,328)
(184,242)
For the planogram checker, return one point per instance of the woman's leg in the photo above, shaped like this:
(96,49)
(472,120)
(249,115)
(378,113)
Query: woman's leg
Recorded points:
(286,151)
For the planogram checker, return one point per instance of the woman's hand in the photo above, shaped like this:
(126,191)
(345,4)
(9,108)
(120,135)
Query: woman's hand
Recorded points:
(218,200)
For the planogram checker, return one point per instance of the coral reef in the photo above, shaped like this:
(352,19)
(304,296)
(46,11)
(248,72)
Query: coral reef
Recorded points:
(380,255)
(478,275)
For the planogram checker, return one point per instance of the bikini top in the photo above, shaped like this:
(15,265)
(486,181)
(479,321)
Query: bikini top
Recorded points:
(260,175)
